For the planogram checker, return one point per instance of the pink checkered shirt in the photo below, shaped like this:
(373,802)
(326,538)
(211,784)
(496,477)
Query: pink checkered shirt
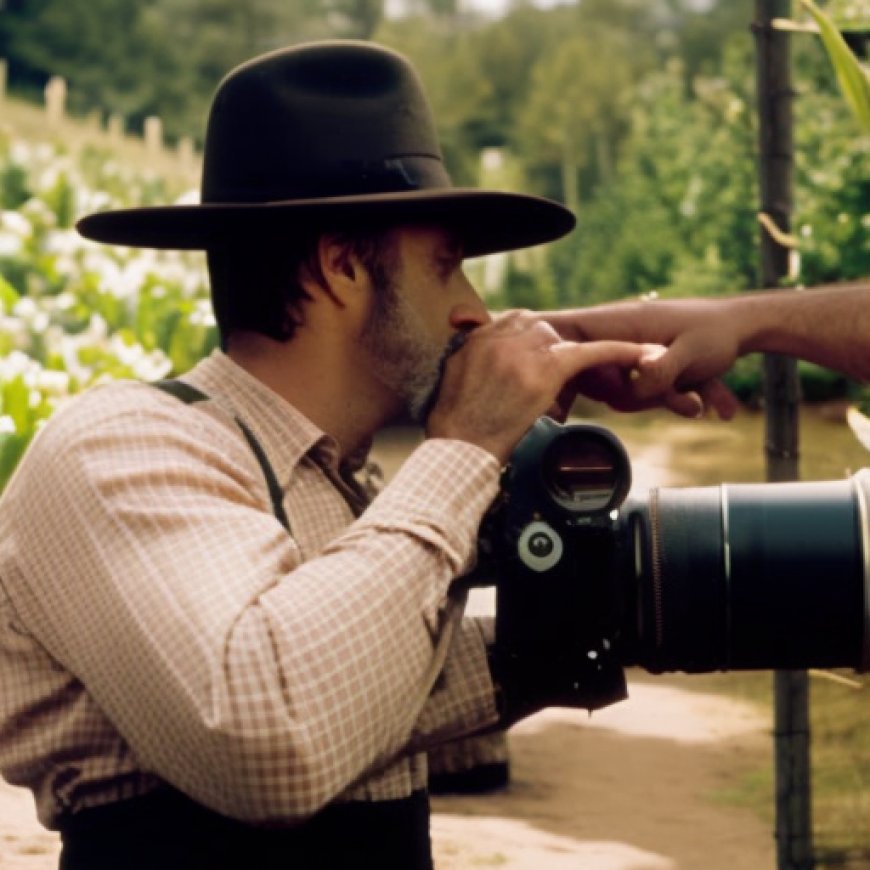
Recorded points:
(158,624)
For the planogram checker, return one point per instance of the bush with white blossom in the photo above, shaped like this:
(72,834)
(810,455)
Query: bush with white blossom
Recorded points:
(74,313)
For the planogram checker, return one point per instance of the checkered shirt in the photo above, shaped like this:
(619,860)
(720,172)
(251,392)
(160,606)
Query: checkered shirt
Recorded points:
(157,623)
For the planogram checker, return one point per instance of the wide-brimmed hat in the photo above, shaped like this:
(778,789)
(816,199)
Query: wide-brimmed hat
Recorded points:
(328,134)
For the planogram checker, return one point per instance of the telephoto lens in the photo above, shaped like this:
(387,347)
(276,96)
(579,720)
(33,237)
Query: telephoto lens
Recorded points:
(696,579)
(749,576)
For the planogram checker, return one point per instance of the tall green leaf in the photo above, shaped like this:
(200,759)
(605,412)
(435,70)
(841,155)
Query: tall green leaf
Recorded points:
(854,79)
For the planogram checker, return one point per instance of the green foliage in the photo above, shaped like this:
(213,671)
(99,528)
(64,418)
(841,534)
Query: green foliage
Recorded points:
(854,79)
(679,216)
(73,313)
(832,179)
(639,114)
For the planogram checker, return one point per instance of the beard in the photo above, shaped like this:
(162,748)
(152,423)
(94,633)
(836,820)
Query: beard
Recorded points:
(404,356)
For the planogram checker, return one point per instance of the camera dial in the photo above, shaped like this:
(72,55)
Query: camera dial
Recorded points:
(540,546)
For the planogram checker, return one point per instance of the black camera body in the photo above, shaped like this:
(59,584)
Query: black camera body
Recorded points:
(740,576)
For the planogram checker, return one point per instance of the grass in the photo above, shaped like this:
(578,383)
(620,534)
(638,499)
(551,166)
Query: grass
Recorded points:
(840,759)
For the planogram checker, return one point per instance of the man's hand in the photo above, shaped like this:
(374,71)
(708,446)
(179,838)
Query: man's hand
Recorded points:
(511,371)
(701,339)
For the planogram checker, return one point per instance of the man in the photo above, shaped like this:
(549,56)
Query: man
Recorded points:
(214,651)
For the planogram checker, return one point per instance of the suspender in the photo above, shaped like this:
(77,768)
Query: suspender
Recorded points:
(191,395)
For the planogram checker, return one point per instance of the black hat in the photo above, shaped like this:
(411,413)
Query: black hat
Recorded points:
(330,134)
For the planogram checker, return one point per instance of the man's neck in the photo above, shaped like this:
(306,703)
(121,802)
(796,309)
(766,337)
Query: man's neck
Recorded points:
(321,380)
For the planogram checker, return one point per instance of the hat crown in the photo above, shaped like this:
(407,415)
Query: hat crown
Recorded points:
(322,136)
(329,119)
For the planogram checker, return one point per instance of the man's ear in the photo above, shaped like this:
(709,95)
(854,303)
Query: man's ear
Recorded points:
(338,272)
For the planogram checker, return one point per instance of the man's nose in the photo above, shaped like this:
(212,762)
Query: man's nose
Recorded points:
(469,315)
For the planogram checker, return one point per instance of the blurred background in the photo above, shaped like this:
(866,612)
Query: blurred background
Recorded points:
(640,115)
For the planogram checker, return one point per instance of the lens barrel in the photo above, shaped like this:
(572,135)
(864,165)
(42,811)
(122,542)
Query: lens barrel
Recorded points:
(745,576)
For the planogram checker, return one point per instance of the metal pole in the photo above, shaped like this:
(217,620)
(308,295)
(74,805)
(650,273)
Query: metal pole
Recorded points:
(782,397)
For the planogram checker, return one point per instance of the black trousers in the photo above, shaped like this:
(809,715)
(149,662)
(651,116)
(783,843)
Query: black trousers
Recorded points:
(165,830)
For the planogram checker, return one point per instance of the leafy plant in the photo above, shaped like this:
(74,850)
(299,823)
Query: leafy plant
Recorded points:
(853,78)
(73,313)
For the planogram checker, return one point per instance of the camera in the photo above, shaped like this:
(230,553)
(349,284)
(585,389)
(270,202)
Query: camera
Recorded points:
(696,579)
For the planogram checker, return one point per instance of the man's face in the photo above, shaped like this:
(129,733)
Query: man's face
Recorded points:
(421,298)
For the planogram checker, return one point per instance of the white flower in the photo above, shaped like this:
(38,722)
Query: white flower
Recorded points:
(53,382)
(38,212)
(97,261)
(10,245)
(15,222)
(62,242)
(64,301)
(17,364)
(146,365)
(202,314)
(97,329)
(7,425)
(189,197)
(25,308)
(20,152)
(95,200)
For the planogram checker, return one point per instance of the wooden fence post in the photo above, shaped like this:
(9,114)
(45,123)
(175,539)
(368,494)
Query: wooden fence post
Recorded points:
(794,833)
(55,100)
(153,135)
(115,127)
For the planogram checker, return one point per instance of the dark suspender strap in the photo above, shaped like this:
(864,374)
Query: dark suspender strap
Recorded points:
(190,395)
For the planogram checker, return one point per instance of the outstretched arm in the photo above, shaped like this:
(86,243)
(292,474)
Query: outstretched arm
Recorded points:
(828,325)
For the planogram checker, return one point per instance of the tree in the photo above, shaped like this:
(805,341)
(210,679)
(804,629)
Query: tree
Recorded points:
(164,57)
(80,40)
(575,109)
(358,19)
(679,215)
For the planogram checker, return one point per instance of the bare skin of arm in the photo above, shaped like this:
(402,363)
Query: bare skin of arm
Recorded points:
(828,325)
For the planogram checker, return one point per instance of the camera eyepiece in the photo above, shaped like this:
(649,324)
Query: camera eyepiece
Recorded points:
(585,470)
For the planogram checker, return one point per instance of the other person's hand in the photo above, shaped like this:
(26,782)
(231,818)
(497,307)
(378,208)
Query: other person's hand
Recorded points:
(513,370)
(701,340)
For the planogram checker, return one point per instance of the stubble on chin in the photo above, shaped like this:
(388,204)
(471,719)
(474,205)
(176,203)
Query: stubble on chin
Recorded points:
(404,356)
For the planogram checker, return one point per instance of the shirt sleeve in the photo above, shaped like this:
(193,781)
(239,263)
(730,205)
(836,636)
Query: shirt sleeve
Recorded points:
(462,700)
(259,684)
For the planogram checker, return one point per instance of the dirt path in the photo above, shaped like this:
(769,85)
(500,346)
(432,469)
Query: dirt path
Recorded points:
(632,788)
(24,843)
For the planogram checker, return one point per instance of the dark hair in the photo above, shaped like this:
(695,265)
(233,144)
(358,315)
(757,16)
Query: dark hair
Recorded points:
(256,281)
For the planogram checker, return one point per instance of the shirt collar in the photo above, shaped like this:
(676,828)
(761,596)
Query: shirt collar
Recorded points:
(284,432)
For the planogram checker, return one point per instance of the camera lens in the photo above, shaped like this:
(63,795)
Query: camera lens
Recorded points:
(585,471)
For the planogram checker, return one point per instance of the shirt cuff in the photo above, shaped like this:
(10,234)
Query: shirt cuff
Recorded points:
(440,495)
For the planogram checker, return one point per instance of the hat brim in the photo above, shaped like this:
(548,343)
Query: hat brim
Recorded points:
(486,221)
